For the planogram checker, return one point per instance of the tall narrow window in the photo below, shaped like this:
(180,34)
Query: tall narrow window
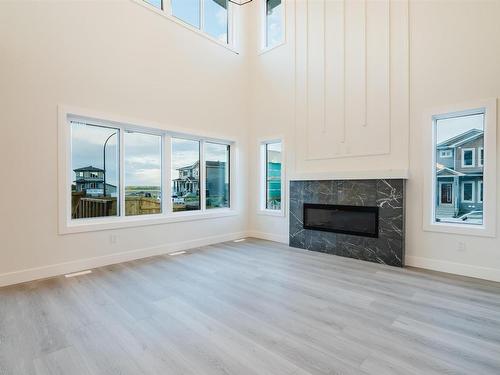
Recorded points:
(185,174)
(273,175)
(215,19)
(217,175)
(457,177)
(274,25)
(94,163)
(188,11)
(142,173)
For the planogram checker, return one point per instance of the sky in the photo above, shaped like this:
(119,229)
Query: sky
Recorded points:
(215,16)
(448,128)
(142,154)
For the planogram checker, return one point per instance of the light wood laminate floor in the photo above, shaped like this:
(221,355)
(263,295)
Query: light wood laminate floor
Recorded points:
(254,307)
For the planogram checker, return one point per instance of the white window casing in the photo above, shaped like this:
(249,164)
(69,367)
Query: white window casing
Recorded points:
(488,107)
(68,225)
(472,151)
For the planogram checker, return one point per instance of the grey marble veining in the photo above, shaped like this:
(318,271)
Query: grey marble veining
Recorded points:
(387,194)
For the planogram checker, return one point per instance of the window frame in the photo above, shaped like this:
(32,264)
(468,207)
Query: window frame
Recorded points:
(233,16)
(263,27)
(473,152)
(473,193)
(263,210)
(429,223)
(68,225)
(445,154)
(441,193)
(480,161)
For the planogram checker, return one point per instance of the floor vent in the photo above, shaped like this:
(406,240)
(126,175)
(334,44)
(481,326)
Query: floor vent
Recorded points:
(78,273)
(177,253)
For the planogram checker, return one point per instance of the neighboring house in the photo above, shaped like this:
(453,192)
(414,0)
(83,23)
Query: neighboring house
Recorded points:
(188,181)
(459,163)
(90,180)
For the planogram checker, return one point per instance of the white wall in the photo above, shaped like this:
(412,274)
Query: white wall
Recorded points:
(453,52)
(115,57)
(120,58)
(455,58)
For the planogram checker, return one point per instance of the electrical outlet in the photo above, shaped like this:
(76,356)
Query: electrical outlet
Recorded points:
(461,246)
(113,238)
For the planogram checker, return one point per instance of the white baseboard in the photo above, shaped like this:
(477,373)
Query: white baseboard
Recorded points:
(454,268)
(268,236)
(37,273)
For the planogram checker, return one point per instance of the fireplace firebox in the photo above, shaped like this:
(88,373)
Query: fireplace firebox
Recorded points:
(353,220)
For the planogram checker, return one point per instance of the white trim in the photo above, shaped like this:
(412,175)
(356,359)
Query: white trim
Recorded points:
(263,210)
(445,154)
(268,236)
(66,225)
(452,194)
(473,192)
(232,18)
(462,155)
(488,228)
(58,269)
(480,163)
(352,175)
(454,268)
(479,187)
(264,48)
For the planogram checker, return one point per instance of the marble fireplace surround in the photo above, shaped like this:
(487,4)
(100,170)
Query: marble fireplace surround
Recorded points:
(387,194)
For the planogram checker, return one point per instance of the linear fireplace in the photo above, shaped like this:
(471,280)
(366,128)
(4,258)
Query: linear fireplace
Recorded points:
(361,219)
(354,220)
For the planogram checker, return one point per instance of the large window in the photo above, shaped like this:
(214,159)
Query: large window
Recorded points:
(273,176)
(456,180)
(271,180)
(274,25)
(185,174)
(211,17)
(217,175)
(123,171)
(143,177)
(95,171)
(460,169)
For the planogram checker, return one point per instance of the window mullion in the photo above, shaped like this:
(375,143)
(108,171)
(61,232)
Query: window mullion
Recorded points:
(121,177)
(202,177)
(202,15)
(166,173)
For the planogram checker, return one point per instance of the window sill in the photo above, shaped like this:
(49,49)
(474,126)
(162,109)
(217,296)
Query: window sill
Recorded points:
(107,223)
(461,229)
(185,25)
(269,49)
(277,213)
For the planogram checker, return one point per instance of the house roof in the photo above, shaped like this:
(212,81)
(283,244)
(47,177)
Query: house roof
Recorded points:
(443,171)
(88,169)
(460,139)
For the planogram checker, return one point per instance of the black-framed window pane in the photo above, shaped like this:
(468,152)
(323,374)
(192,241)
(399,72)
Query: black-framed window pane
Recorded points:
(188,11)
(95,171)
(468,157)
(217,175)
(273,176)
(468,195)
(216,19)
(143,176)
(185,174)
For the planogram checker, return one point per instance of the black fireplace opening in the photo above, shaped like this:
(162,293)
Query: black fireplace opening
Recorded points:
(354,220)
